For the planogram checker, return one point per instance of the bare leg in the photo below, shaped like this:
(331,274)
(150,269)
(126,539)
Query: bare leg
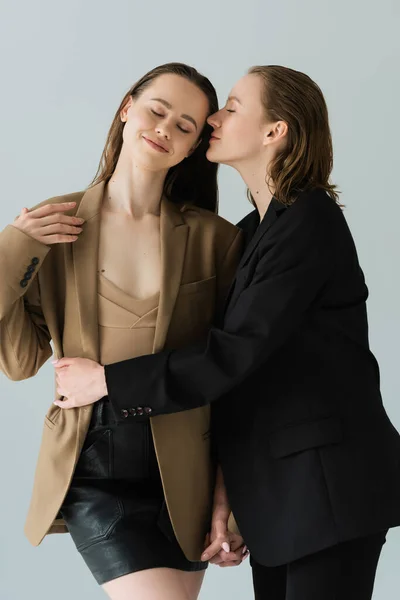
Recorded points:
(156,584)
(193,583)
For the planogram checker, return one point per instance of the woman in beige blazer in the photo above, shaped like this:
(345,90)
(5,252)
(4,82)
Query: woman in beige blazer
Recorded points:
(137,262)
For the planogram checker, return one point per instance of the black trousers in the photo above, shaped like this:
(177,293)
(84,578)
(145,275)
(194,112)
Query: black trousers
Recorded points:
(343,572)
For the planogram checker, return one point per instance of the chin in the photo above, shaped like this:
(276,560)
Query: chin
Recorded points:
(149,159)
(213,156)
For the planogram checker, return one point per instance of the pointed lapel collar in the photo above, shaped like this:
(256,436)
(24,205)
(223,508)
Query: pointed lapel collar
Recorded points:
(253,232)
(273,211)
(85,258)
(249,225)
(173,233)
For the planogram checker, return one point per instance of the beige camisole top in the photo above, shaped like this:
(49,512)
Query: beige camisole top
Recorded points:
(126,325)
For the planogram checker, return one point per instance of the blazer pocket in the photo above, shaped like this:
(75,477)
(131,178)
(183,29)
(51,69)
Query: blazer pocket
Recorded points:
(52,415)
(197,286)
(305,436)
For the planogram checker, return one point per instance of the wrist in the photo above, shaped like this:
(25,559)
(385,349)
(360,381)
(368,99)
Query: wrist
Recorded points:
(103,382)
(221,514)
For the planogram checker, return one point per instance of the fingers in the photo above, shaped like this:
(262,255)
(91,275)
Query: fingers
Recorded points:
(60,228)
(49,209)
(241,555)
(216,560)
(60,218)
(222,557)
(215,547)
(230,559)
(65,404)
(57,239)
(235,543)
(212,550)
(49,225)
(63,362)
(232,563)
(218,556)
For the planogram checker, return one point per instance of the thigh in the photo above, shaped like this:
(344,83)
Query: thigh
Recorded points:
(343,572)
(192,582)
(155,584)
(269,583)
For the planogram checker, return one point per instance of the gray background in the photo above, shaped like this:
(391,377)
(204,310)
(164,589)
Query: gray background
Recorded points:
(65,67)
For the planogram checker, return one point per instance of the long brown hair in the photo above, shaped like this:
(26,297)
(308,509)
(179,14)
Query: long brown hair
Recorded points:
(307,160)
(194,180)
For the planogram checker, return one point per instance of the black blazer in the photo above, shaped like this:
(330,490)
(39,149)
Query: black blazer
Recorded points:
(309,455)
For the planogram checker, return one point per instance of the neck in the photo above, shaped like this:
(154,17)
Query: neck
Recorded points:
(253,174)
(134,190)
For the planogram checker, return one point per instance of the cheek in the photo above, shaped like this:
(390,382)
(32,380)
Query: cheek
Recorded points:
(244,136)
(182,146)
(231,130)
(138,122)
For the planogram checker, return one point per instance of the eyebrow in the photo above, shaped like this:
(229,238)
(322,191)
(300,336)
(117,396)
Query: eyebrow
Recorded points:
(234,98)
(168,105)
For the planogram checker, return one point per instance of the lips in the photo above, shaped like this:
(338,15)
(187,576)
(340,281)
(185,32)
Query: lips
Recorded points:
(155,145)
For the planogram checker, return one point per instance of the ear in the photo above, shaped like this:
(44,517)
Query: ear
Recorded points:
(124,111)
(275,132)
(197,144)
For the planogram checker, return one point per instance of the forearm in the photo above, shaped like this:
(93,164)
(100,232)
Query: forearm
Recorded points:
(20,259)
(25,339)
(25,342)
(221,507)
(222,520)
(285,283)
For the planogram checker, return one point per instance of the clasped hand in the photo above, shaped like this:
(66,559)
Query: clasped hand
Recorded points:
(80,381)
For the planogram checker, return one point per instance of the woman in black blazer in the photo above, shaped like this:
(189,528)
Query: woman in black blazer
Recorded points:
(310,459)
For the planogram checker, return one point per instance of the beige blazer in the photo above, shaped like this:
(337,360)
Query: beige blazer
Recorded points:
(58,303)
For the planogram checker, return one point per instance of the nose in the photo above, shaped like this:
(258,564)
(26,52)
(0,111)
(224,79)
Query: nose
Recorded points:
(162,129)
(214,120)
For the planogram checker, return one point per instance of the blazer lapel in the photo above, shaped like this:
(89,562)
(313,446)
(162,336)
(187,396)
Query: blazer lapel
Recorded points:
(85,258)
(174,233)
(253,231)
(273,211)
(249,225)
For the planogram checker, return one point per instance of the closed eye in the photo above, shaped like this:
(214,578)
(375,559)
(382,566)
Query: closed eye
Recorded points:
(183,130)
(162,115)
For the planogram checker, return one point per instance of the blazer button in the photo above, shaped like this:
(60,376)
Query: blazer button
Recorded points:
(23,282)
(132,411)
(148,410)
(35,260)
(139,410)
(30,269)
(124,413)
(28,276)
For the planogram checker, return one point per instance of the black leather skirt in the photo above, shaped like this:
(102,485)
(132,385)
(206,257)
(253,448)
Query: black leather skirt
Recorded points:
(115,509)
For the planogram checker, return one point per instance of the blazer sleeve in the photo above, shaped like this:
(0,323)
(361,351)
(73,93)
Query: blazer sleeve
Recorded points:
(25,339)
(295,264)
